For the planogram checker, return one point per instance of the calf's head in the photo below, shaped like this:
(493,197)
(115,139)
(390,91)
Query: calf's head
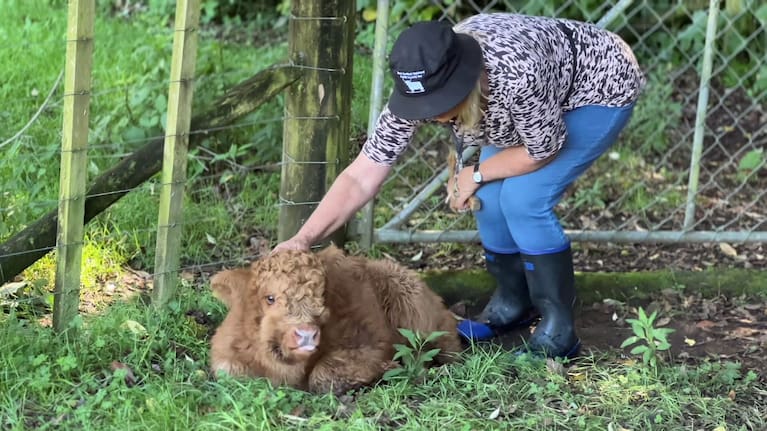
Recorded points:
(287,295)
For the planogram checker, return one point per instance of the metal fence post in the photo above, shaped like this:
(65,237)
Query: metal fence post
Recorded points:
(367,221)
(700,115)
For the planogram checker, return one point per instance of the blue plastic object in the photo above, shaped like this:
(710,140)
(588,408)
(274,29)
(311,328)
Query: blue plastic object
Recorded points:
(475,331)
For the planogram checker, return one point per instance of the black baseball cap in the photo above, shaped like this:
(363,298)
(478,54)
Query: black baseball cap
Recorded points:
(434,69)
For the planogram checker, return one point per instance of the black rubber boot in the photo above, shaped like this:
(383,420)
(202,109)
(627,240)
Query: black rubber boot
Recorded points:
(510,305)
(552,291)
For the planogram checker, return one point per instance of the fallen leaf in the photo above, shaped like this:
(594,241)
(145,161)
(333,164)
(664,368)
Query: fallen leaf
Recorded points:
(555,367)
(743,332)
(577,377)
(494,414)
(293,418)
(613,302)
(134,327)
(731,395)
(705,325)
(727,249)
(417,257)
(187,276)
(689,341)
(670,293)
(130,378)
(143,274)
(663,321)
(299,410)
(11,288)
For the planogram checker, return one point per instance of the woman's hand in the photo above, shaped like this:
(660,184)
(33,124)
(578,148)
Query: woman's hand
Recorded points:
(353,188)
(295,243)
(460,188)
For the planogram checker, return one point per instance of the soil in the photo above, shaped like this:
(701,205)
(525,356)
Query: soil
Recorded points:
(705,329)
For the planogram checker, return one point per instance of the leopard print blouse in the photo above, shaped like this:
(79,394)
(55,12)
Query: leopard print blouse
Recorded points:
(530,72)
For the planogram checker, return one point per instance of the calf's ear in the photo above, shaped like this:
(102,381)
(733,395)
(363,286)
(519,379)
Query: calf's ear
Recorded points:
(227,286)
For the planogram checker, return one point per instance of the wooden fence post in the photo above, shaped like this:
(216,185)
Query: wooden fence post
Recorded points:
(317,109)
(74,157)
(170,220)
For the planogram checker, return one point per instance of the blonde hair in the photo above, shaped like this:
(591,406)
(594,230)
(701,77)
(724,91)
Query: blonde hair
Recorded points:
(471,114)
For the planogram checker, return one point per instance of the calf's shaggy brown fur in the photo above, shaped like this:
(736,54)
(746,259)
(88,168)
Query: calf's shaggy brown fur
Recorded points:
(322,321)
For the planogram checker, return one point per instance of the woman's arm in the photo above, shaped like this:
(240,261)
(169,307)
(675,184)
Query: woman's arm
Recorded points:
(510,162)
(353,188)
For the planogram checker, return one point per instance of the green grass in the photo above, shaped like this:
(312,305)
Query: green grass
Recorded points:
(50,382)
(131,64)
(225,199)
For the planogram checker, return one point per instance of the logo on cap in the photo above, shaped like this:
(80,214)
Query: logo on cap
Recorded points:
(413,81)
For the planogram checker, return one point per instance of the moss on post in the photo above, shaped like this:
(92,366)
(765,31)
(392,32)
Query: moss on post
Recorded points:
(475,287)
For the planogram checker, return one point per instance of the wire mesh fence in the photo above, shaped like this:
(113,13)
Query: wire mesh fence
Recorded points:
(639,191)
(128,117)
(688,168)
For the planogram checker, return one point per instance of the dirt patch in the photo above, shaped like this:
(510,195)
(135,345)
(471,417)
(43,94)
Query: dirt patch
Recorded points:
(705,329)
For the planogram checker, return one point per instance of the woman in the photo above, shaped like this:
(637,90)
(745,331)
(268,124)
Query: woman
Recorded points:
(544,98)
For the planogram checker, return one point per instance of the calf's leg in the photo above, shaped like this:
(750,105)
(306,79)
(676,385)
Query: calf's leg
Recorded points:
(347,369)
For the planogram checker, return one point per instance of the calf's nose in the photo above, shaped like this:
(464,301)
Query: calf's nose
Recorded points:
(307,334)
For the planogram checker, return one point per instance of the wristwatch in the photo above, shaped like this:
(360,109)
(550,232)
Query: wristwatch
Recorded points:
(477,175)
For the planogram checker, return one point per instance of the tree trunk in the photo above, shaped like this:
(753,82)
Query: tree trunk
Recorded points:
(34,242)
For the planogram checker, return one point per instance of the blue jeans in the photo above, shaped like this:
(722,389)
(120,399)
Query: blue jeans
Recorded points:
(518,212)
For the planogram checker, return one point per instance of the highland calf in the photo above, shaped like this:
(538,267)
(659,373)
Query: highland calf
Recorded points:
(322,321)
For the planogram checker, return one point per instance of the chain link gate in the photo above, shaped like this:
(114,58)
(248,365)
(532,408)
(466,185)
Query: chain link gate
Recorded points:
(689,167)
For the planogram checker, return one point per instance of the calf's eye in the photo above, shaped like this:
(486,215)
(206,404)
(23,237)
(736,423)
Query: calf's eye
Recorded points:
(270,299)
